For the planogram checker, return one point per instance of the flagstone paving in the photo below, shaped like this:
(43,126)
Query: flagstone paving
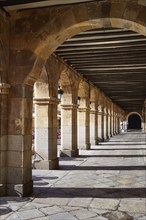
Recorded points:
(107,182)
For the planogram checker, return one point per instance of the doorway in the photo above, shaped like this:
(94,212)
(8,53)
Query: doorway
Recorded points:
(134,122)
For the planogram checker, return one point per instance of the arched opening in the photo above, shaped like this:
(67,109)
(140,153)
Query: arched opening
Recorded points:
(47,39)
(134,122)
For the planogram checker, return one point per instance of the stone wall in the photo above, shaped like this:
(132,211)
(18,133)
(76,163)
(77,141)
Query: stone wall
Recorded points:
(4,89)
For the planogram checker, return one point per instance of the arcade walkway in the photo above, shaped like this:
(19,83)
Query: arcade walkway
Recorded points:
(107,182)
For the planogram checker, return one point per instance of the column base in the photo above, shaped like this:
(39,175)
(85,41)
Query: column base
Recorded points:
(100,140)
(108,137)
(85,147)
(69,153)
(20,189)
(46,164)
(3,190)
(94,142)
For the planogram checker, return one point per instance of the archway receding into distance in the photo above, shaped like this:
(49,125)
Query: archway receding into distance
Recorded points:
(134,121)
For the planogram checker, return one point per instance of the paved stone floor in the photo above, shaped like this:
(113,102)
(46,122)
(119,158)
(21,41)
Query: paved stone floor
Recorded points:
(106,182)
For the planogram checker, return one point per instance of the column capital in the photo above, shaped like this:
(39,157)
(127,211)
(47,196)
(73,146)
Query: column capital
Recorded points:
(93,111)
(83,109)
(69,107)
(46,101)
(4,88)
(100,109)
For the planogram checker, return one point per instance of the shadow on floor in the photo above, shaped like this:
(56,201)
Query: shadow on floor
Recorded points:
(106,156)
(116,149)
(62,192)
(74,167)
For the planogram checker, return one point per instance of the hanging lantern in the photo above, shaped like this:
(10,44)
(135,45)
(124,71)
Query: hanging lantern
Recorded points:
(78,100)
(60,93)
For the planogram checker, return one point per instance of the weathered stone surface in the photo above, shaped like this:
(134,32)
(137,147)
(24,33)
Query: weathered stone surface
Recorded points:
(14,216)
(51,210)
(110,204)
(80,202)
(133,205)
(118,215)
(64,216)
(30,214)
(83,214)
(142,2)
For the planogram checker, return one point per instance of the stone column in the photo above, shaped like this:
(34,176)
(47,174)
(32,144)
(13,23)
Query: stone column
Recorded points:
(19,160)
(145,116)
(112,120)
(117,123)
(84,128)
(109,123)
(4,90)
(100,124)
(69,130)
(114,123)
(46,133)
(93,124)
(105,125)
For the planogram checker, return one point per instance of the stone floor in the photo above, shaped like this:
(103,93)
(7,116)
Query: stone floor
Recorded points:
(107,182)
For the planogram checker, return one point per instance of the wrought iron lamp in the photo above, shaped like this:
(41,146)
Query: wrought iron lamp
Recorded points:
(78,100)
(60,93)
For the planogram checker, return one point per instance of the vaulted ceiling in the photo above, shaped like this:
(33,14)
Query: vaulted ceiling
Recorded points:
(112,59)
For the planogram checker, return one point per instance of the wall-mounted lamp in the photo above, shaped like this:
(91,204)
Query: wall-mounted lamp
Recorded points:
(60,93)
(78,100)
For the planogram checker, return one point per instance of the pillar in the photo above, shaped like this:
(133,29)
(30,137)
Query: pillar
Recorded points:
(114,123)
(4,90)
(117,123)
(105,122)
(100,124)
(145,116)
(46,133)
(84,128)
(69,130)
(19,156)
(93,124)
(109,122)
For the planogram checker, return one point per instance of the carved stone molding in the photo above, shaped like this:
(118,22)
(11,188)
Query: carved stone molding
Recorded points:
(45,101)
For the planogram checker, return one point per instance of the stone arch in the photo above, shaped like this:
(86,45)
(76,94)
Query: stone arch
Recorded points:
(134,120)
(3,64)
(94,94)
(83,89)
(41,86)
(84,94)
(68,21)
(66,85)
(131,113)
